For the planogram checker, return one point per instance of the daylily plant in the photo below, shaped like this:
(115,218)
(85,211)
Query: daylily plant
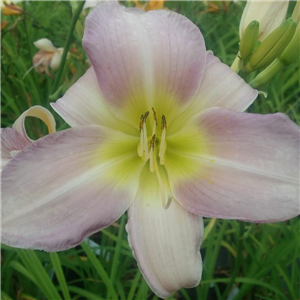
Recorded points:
(158,130)
(48,55)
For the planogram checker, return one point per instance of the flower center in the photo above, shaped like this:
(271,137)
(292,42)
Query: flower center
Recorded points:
(153,148)
(154,145)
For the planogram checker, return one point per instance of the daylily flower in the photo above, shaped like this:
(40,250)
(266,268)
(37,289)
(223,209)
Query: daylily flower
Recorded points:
(10,9)
(150,5)
(269,14)
(48,55)
(158,129)
(15,139)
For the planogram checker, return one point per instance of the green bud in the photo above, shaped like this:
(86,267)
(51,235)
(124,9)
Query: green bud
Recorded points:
(292,52)
(272,46)
(267,74)
(296,12)
(249,39)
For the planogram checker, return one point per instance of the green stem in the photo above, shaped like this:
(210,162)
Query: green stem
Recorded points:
(67,46)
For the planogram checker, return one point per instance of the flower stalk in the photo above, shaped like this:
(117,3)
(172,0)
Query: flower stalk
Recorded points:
(67,46)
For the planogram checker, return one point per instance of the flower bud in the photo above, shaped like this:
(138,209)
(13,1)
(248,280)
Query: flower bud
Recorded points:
(267,74)
(296,13)
(269,14)
(249,40)
(290,54)
(272,46)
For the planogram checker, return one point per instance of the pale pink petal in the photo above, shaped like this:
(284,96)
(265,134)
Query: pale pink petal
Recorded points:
(143,60)
(44,45)
(56,59)
(66,186)
(165,242)
(83,104)
(237,166)
(11,142)
(93,3)
(37,112)
(220,87)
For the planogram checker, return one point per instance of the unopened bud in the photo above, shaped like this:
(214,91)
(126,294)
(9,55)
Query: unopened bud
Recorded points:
(269,14)
(292,52)
(267,74)
(249,39)
(272,46)
(296,12)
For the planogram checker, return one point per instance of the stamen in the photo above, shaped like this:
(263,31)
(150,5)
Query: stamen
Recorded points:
(145,137)
(148,150)
(141,122)
(164,186)
(155,115)
(155,123)
(163,122)
(140,149)
(163,144)
(152,154)
(145,116)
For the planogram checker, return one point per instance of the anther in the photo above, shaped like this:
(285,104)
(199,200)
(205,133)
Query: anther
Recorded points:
(152,154)
(163,144)
(141,122)
(163,122)
(152,141)
(155,116)
(145,138)
(145,116)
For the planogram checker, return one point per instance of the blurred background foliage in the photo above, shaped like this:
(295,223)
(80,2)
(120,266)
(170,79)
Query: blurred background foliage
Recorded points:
(240,260)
